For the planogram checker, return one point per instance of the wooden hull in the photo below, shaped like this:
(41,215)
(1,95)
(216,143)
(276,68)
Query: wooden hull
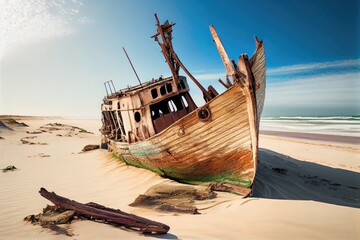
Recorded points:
(223,149)
(194,151)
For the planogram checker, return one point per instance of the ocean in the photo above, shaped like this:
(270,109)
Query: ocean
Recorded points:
(331,125)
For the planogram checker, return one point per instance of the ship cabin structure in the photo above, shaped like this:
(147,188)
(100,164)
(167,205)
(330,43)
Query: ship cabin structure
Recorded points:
(136,113)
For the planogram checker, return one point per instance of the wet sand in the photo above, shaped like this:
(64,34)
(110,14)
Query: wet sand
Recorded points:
(314,136)
(316,196)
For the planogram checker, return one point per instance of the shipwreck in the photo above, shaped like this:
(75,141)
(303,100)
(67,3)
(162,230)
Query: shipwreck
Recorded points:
(157,125)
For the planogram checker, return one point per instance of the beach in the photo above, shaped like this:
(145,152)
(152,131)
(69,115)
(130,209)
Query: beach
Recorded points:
(307,186)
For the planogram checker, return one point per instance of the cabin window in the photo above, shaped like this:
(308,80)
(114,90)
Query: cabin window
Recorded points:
(167,112)
(172,106)
(162,90)
(182,84)
(137,116)
(184,101)
(154,93)
(118,105)
(169,87)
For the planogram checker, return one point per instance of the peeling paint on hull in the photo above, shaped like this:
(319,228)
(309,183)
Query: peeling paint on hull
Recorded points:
(219,150)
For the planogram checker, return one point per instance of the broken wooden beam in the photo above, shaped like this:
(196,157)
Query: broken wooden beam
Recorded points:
(224,84)
(99,212)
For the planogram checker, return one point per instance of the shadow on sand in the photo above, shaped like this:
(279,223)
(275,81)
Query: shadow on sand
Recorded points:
(282,177)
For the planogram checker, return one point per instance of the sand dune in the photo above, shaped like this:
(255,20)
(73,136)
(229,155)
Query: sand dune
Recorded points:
(305,181)
(316,196)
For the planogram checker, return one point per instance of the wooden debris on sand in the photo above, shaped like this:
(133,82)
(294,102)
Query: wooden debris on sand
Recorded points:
(25,140)
(9,168)
(96,212)
(171,197)
(90,147)
(69,130)
(51,217)
(59,126)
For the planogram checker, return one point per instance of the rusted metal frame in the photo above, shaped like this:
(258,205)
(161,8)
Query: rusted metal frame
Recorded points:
(166,52)
(108,119)
(230,66)
(228,82)
(123,135)
(230,69)
(171,51)
(212,91)
(238,76)
(107,93)
(128,113)
(170,54)
(170,63)
(116,128)
(132,66)
(224,84)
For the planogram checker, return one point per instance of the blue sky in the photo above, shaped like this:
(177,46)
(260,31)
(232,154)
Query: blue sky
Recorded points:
(55,55)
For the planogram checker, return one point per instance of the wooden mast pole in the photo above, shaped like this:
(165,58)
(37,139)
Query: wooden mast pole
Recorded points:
(172,58)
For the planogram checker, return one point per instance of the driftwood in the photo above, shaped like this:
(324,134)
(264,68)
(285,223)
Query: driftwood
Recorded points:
(95,211)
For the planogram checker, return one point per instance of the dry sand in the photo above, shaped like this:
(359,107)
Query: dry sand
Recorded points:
(316,197)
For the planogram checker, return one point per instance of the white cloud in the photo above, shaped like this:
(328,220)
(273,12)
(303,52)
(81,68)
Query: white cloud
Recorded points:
(339,89)
(210,76)
(331,84)
(25,22)
(84,20)
(282,71)
(312,66)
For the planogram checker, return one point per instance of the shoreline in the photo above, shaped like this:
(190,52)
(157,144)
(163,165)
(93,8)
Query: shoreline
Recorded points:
(313,136)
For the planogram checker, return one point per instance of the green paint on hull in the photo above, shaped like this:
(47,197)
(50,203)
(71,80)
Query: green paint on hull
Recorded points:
(225,177)
(130,161)
(144,150)
(175,174)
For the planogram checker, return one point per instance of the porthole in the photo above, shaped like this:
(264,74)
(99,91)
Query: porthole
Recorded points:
(204,114)
(137,116)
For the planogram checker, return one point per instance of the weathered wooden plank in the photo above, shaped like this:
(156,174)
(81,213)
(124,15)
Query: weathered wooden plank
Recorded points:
(96,211)
(222,145)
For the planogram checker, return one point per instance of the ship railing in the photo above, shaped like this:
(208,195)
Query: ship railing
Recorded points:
(109,88)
